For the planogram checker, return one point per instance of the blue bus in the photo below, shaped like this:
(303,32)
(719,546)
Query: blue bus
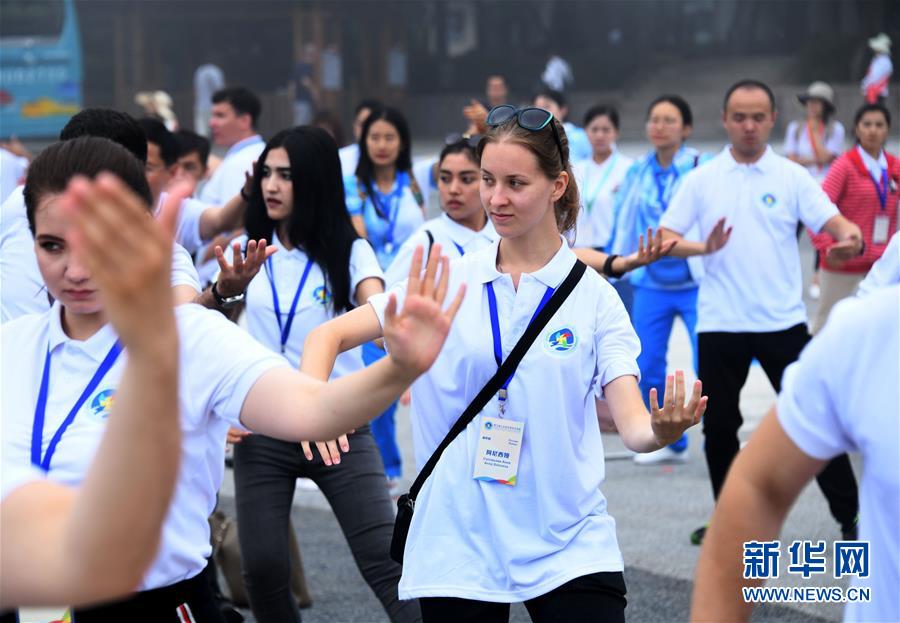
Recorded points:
(40,67)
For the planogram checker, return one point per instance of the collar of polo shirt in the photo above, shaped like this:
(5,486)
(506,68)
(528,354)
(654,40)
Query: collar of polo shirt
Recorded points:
(550,275)
(765,164)
(96,347)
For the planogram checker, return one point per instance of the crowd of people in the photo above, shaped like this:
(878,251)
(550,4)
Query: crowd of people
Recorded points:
(160,304)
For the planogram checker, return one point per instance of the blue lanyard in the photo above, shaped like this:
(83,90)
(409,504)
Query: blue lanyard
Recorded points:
(881,188)
(460,249)
(495,330)
(393,210)
(285,329)
(661,186)
(37,430)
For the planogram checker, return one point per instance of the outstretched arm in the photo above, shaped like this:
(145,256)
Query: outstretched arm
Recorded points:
(656,248)
(762,485)
(717,239)
(61,545)
(294,406)
(216,220)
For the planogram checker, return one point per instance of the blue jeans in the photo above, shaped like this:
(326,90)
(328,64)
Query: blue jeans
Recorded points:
(653,314)
(384,428)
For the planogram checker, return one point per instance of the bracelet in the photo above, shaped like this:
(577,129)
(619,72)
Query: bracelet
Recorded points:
(244,196)
(608,269)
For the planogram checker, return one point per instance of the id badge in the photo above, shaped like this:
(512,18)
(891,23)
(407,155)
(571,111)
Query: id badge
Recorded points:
(880,231)
(499,444)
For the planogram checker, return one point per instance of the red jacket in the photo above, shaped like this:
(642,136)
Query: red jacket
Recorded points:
(850,186)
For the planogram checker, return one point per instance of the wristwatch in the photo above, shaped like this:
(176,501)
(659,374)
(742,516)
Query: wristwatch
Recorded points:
(226,302)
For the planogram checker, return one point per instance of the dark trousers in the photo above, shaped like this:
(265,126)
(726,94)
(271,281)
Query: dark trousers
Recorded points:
(725,360)
(595,597)
(188,600)
(265,471)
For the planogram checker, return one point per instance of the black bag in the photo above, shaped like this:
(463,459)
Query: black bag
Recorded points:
(406,503)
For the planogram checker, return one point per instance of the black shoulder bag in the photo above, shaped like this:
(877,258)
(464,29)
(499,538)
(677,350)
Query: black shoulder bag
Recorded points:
(407,502)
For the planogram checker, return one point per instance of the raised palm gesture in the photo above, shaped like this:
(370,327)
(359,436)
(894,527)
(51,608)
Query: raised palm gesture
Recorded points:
(414,335)
(675,417)
(718,237)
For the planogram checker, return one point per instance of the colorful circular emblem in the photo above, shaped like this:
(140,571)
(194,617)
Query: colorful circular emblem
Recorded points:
(321,296)
(102,403)
(562,341)
(488,426)
(769,200)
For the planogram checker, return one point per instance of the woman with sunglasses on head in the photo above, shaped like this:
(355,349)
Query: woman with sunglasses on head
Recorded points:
(464,226)
(524,521)
(322,269)
(69,366)
(386,206)
(667,288)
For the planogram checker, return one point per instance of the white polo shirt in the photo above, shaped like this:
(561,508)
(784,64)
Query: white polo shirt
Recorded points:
(885,272)
(597,186)
(22,289)
(456,240)
(832,403)
(753,284)
(187,226)
(228,178)
(313,306)
(349,155)
(219,364)
(487,541)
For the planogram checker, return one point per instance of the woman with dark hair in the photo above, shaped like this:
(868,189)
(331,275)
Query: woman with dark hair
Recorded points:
(463,226)
(321,270)
(70,365)
(864,183)
(387,206)
(599,177)
(667,288)
(818,139)
(513,509)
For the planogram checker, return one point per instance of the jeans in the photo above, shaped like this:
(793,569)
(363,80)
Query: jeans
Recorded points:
(653,314)
(265,471)
(384,427)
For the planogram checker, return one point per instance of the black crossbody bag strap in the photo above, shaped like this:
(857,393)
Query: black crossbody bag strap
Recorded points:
(506,369)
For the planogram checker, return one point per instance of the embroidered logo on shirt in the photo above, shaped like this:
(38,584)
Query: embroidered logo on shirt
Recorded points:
(101,405)
(561,342)
(769,200)
(321,296)
(488,426)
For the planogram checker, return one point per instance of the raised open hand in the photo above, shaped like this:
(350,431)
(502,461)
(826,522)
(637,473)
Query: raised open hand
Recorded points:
(675,417)
(718,237)
(414,335)
(235,277)
(654,250)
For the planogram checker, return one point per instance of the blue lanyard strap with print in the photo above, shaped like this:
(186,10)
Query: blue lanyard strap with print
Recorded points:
(393,210)
(284,329)
(881,188)
(37,430)
(495,330)
(662,186)
(591,196)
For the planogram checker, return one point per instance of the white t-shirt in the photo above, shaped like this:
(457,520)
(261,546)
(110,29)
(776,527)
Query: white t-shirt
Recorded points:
(753,284)
(219,364)
(12,171)
(22,289)
(187,227)
(884,272)
(597,186)
(349,155)
(880,69)
(480,540)
(456,240)
(797,144)
(832,403)
(228,178)
(313,306)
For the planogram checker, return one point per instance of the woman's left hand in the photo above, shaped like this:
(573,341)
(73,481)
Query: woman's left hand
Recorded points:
(654,250)
(675,417)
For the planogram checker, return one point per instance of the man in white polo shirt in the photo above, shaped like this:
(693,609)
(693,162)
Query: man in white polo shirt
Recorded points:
(235,112)
(750,300)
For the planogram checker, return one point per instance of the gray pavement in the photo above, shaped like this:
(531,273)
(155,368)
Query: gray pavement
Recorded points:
(655,508)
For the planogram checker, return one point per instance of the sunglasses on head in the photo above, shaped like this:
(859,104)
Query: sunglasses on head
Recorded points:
(469,139)
(529,118)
